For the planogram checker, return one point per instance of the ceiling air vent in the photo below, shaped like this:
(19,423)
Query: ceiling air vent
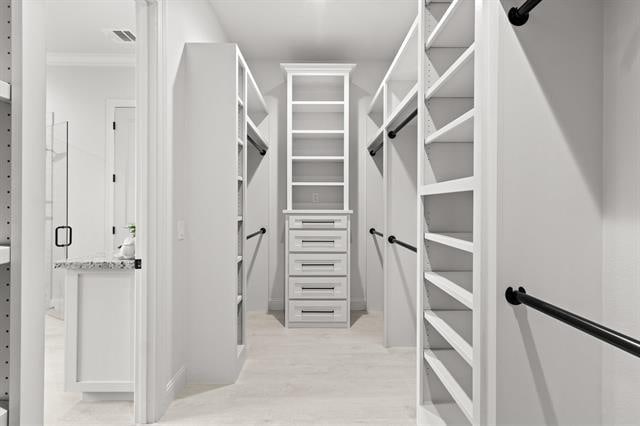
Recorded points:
(124,36)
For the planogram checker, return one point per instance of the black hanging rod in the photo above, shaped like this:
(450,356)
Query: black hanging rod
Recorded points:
(393,240)
(393,133)
(260,150)
(258,232)
(619,340)
(373,231)
(519,16)
(376,148)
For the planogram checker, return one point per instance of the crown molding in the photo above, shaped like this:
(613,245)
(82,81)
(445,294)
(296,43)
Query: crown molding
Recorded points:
(90,60)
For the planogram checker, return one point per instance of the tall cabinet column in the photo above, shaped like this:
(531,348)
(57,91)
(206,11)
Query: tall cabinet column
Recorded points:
(317,287)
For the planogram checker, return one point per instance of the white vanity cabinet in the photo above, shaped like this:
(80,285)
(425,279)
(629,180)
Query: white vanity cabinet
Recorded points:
(99,329)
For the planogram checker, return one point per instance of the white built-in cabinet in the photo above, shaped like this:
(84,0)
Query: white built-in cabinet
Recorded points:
(318,233)
(225,116)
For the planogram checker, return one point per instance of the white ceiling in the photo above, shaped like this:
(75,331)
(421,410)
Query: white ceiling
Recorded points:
(76,26)
(317,30)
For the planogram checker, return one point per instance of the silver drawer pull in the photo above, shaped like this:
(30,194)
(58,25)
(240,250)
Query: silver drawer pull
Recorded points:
(304,311)
(318,241)
(318,221)
(318,288)
(318,264)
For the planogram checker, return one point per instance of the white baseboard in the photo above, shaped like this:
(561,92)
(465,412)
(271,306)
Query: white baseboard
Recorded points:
(276,305)
(176,384)
(356,305)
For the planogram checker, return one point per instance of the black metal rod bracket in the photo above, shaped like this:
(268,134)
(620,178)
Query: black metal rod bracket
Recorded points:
(373,231)
(518,16)
(255,145)
(512,295)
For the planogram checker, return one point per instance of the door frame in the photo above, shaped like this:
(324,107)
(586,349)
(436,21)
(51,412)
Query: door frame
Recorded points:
(110,167)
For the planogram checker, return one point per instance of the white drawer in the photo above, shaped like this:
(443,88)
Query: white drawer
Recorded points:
(318,287)
(317,311)
(318,264)
(317,222)
(318,241)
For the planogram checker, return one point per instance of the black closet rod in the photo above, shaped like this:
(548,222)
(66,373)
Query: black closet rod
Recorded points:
(260,150)
(373,231)
(612,337)
(393,133)
(393,240)
(519,16)
(375,149)
(258,232)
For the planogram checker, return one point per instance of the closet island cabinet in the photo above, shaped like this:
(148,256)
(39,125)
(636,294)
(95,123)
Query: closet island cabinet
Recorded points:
(317,216)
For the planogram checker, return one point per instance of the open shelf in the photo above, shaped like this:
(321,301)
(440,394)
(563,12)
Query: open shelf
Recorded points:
(5,92)
(254,133)
(316,133)
(455,283)
(448,187)
(459,335)
(317,158)
(459,130)
(436,358)
(457,81)
(317,106)
(459,240)
(455,28)
(317,183)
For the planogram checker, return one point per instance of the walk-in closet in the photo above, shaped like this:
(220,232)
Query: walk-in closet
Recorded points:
(331,212)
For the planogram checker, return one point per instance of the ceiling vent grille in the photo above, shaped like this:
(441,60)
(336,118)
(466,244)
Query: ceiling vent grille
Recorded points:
(125,36)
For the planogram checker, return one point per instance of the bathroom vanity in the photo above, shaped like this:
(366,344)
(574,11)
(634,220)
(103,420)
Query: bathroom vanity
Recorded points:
(99,328)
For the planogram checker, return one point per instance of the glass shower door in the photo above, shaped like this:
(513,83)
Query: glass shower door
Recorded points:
(58,232)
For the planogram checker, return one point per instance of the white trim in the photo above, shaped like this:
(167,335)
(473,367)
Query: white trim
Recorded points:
(276,304)
(58,59)
(149,95)
(110,166)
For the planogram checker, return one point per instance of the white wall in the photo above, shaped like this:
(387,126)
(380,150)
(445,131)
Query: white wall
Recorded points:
(271,79)
(548,212)
(185,21)
(79,95)
(621,232)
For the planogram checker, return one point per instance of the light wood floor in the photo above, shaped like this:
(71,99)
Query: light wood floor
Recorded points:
(296,377)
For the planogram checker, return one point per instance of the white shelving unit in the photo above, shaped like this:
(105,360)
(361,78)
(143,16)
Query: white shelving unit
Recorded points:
(448,213)
(229,118)
(317,216)
(395,103)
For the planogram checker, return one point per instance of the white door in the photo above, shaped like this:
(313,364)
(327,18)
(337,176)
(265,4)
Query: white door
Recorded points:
(123,174)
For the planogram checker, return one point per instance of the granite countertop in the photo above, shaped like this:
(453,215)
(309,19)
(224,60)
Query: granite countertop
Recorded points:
(96,264)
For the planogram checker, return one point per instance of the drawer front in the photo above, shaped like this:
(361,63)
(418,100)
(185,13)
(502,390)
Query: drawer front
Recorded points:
(318,241)
(317,311)
(318,264)
(318,287)
(317,222)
